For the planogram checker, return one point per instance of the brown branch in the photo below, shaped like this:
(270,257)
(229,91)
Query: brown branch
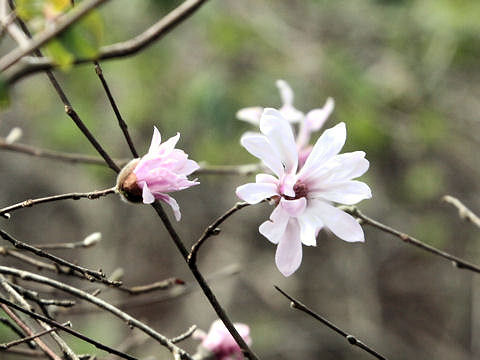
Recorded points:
(55,155)
(8,323)
(203,283)
(88,274)
(51,322)
(213,230)
(464,212)
(121,122)
(185,335)
(158,285)
(121,49)
(10,344)
(131,321)
(70,196)
(352,340)
(28,331)
(37,41)
(456,261)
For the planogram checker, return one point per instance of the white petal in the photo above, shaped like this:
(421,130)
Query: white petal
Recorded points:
(350,166)
(317,117)
(348,193)
(259,146)
(291,114)
(280,136)
(288,256)
(286,92)
(156,140)
(274,228)
(253,193)
(327,146)
(295,207)
(266,178)
(309,227)
(250,114)
(147,195)
(340,223)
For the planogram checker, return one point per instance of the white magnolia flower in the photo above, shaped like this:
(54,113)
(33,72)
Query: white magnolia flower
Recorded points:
(307,124)
(304,199)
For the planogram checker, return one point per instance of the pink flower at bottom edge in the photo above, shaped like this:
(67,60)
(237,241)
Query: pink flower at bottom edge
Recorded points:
(162,170)
(221,343)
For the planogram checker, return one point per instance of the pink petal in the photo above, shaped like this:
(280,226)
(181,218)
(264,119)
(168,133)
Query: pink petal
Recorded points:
(253,193)
(260,147)
(156,140)
(280,136)
(147,195)
(295,207)
(348,193)
(169,145)
(288,256)
(340,223)
(274,228)
(173,204)
(250,114)
(327,146)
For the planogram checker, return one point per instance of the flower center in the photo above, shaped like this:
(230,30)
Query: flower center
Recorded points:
(300,189)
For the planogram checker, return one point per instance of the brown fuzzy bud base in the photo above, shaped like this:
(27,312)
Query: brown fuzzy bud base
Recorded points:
(127,183)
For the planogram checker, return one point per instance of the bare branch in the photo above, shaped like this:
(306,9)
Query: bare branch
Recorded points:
(70,196)
(213,230)
(456,261)
(202,282)
(352,340)
(63,24)
(121,49)
(28,331)
(131,321)
(121,122)
(158,285)
(88,274)
(10,344)
(185,335)
(464,212)
(66,329)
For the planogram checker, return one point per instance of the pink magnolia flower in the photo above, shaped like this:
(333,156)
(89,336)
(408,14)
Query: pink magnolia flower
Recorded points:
(307,124)
(304,198)
(220,342)
(162,170)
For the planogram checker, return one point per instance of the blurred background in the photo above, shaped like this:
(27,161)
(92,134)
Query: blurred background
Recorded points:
(405,77)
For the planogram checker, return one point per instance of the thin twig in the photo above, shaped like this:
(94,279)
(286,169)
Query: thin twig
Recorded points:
(203,284)
(62,24)
(28,331)
(121,49)
(158,285)
(131,321)
(35,296)
(185,335)
(8,323)
(121,122)
(69,108)
(213,230)
(10,344)
(456,261)
(87,273)
(56,155)
(66,329)
(26,353)
(70,196)
(464,212)
(63,346)
(352,340)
